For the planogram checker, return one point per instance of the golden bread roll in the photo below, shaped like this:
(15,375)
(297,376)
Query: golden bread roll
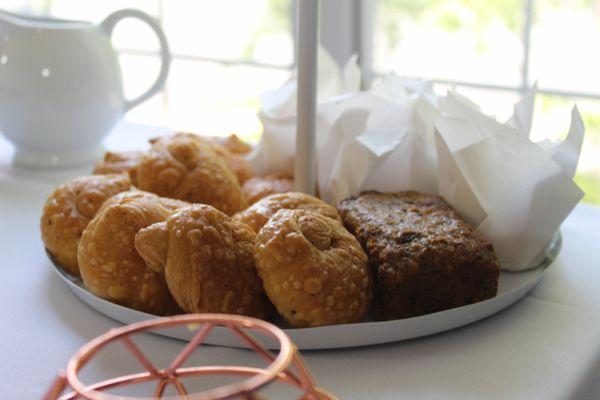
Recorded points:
(183,166)
(118,162)
(208,261)
(68,211)
(259,187)
(235,161)
(110,266)
(233,151)
(234,144)
(313,270)
(259,213)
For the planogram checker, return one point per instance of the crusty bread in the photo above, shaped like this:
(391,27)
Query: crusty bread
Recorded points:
(68,211)
(262,186)
(119,162)
(110,266)
(186,167)
(207,259)
(257,215)
(313,270)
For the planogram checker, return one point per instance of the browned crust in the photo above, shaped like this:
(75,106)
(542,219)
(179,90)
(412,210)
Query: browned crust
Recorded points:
(185,166)
(68,211)
(313,270)
(262,186)
(208,261)
(234,144)
(111,267)
(119,162)
(257,215)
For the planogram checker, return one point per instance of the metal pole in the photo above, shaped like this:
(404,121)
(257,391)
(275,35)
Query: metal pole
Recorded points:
(305,168)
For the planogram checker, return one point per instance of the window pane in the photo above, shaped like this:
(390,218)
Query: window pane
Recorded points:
(258,30)
(95,10)
(564,45)
(552,118)
(450,39)
(497,103)
(139,72)
(215,99)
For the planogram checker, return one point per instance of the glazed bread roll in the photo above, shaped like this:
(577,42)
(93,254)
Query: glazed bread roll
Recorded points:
(262,186)
(207,260)
(234,144)
(313,270)
(230,150)
(68,211)
(184,166)
(257,215)
(119,162)
(235,161)
(110,266)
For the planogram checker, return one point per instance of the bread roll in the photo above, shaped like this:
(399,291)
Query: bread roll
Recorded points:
(313,270)
(184,167)
(207,260)
(68,211)
(110,266)
(259,213)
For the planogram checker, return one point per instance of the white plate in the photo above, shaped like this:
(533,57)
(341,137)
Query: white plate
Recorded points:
(512,287)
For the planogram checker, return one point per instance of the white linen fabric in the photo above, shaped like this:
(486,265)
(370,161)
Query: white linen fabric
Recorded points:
(547,346)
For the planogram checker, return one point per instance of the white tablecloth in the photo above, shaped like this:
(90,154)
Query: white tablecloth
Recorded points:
(547,346)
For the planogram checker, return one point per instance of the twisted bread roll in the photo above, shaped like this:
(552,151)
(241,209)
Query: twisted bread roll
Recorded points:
(207,261)
(235,161)
(230,150)
(118,162)
(234,144)
(68,211)
(257,215)
(262,186)
(184,166)
(110,266)
(313,270)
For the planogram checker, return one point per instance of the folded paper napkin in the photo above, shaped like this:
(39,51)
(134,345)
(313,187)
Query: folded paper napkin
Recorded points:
(400,135)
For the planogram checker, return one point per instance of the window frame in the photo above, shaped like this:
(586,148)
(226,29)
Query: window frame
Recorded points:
(194,57)
(362,22)
(347,28)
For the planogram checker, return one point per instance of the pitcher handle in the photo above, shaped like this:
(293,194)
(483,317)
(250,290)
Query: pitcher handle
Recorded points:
(109,24)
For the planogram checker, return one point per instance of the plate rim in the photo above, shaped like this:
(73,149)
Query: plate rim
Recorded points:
(502,301)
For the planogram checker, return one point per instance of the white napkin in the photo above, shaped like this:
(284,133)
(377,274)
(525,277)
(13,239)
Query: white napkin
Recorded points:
(400,135)
(276,148)
(511,189)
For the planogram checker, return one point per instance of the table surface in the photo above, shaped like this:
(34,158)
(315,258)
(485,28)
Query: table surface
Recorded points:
(547,346)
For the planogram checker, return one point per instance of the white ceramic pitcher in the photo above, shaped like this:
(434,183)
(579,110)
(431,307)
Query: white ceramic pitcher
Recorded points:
(61,89)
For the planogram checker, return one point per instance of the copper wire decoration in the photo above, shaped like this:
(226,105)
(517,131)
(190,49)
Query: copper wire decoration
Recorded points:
(279,368)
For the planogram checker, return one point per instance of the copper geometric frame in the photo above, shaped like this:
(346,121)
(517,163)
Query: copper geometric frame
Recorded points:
(277,370)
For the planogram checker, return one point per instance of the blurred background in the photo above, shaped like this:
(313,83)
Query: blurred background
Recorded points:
(227,52)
